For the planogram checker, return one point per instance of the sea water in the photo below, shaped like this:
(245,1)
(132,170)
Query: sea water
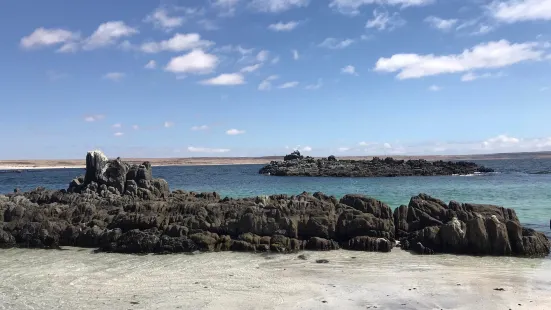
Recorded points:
(524,185)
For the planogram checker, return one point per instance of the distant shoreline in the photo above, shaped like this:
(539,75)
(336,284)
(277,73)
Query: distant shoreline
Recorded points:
(216,161)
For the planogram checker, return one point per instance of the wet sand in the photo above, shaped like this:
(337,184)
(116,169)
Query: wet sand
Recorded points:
(79,279)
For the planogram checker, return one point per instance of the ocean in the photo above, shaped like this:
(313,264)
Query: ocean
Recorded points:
(524,185)
(75,278)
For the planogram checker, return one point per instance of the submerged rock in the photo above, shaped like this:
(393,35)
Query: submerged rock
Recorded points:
(295,164)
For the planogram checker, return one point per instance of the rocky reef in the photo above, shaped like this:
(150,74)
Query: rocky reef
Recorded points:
(295,164)
(117,207)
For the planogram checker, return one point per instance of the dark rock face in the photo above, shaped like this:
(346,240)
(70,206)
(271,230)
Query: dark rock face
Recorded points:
(121,208)
(427,225)
(296,165)
(115,177)
(117,207)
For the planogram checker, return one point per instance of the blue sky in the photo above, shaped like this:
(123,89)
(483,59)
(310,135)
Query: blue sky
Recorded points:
(263,77)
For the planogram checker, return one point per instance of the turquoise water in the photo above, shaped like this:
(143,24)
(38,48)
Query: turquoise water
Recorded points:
(514,186)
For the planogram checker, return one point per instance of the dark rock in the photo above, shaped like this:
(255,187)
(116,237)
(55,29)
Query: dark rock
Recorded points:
(295,164)
(320,244)
(371,244)
(322,261)
(465,229)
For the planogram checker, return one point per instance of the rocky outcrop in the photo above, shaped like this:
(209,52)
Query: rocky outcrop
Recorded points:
(115,177)
(296,165)
(117,207)
(427,225)
(121,208)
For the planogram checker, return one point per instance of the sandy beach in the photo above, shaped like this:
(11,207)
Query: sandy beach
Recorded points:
(79,279)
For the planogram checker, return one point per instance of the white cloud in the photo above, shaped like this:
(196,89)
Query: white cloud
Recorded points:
(135,127)
(521,10)
(117,125)
(168,124)
(385,21)
(349,70)
(194,149)
(306,149)
(496,54)
(281,26)
(500,144)
(114,76)
(334,43)
(200,128)
(178,43)
(277,6)
(108,33)
(69,47)
(225,79)
(93,118)
(226,7)
(160,19)
(296,56)
(288,85)
(483,29)
(267,83)
(435,88)
(352,7)
(234,132)
(343,149)
(196,61)
(318,85)
(275,60)
(471,76)
(262,56)
(152,64)
(251,68)
(118,134)
(47,37)
(441,24)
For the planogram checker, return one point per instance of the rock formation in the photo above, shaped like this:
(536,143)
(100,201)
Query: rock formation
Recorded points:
(428,225)
(295,164)
(116,207)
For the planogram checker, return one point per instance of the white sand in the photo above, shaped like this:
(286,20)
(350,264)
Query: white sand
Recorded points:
(77,279)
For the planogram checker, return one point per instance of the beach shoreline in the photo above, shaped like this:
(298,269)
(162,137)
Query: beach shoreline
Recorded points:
(33,164)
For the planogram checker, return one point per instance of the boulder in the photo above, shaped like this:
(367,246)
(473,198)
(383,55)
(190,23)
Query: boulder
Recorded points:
(465,229)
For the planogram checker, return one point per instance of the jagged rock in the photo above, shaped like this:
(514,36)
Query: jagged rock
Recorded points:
(466,229)
(371,244)
(6,239)
(320,244)
(295,164)
(147,218)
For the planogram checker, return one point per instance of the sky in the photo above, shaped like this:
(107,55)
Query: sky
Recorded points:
(264,77)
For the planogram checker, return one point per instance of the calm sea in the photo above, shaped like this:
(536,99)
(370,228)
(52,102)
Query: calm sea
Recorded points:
(524,185)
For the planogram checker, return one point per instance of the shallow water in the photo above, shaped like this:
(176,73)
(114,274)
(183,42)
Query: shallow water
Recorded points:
(79,279)
(515,186)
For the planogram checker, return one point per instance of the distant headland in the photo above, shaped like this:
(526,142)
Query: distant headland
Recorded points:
(263,160)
